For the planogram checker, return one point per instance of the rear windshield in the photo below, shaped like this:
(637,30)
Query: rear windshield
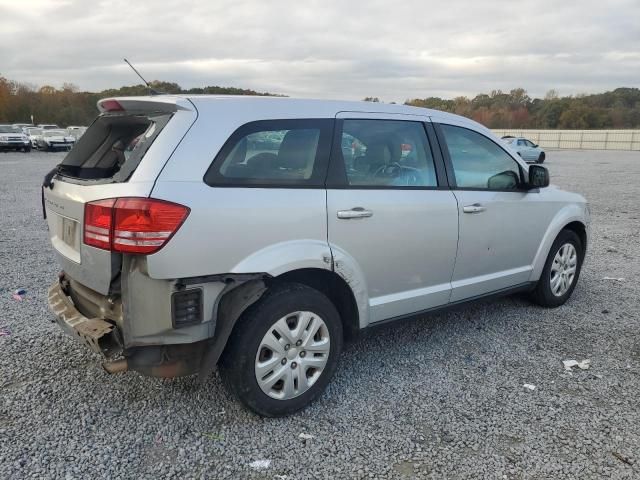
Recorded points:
(113,146)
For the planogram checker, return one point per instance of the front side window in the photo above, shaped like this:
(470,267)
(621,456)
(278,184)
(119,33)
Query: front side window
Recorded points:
(478,162)
(273,152)
(387,153)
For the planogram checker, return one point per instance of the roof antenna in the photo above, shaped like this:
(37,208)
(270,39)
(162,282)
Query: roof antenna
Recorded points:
(151,90)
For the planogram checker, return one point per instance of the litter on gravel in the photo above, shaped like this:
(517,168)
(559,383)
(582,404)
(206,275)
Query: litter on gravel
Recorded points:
(305,436)
(528,386)
(260,464)
(622,458)
(582,365)
(19,294)
(618,279)
(4,332)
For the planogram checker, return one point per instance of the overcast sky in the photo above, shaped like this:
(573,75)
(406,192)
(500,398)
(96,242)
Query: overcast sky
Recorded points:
(347,49)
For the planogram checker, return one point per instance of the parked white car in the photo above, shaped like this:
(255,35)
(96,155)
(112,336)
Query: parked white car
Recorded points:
(529,151)
(76,131)
(23,126)
(48,126)
(257,233)
(52,140)
(34,134)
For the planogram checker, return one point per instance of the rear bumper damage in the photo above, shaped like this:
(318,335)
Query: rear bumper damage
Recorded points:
(104,337)
(99,335)
(101,323)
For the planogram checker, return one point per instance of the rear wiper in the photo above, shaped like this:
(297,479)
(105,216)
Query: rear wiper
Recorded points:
(48,183)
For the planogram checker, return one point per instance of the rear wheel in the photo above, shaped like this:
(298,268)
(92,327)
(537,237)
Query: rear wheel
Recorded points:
(283,351)
(561,271)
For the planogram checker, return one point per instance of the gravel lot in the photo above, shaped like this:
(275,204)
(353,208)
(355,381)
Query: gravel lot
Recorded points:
(441,397)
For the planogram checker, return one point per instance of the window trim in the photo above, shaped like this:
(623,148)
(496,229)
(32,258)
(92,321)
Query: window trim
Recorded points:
(449,164)
(337,174)
(214,178)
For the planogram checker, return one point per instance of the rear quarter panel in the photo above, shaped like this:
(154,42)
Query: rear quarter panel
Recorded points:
(237,229)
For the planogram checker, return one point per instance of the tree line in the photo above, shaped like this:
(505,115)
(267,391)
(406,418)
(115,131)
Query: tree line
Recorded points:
(68,106)
(619,108)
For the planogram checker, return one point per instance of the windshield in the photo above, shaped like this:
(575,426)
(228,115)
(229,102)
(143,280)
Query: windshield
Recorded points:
(49,127)
(9,129)
(55,133)
(34,131)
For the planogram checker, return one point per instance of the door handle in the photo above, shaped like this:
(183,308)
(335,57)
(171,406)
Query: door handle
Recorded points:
(357,212)
(475,208)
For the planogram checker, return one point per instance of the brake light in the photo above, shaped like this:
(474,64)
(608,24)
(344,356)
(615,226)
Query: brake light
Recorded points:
(110,105)
(132,225)
(97,223)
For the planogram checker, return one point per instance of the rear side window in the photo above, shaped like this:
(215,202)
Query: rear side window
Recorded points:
(274,153)
(113,146)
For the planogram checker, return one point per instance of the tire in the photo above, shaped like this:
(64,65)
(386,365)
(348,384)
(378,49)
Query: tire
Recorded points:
(290,303)
(544,292)
(26,149)
(541,158)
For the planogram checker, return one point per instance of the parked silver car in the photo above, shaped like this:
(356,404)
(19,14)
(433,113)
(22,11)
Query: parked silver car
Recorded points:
(257,234)
(529,151)
(13,138)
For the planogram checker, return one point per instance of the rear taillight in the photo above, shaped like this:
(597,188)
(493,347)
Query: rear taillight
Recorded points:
(98,217)
(132,225)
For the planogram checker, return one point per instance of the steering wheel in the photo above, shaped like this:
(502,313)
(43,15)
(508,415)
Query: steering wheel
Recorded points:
(408,176)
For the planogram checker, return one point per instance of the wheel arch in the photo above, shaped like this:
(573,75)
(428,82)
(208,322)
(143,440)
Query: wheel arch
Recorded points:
(579,229)
(570,218)
(334,287)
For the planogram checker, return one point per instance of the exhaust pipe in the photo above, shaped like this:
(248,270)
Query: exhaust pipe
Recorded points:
(116,367)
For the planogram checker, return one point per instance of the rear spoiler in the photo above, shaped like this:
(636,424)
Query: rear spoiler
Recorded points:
(165,104)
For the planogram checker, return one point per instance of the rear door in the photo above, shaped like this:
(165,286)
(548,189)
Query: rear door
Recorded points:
(390,212)
(120,155)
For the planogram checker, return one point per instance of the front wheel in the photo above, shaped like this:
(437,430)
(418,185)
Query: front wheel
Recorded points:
(283,351)
(561,271)
(541,158)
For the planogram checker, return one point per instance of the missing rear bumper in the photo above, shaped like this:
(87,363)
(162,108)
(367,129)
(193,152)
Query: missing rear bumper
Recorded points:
(99,335)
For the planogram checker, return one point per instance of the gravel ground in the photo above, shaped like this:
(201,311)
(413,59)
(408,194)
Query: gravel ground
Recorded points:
(441,397)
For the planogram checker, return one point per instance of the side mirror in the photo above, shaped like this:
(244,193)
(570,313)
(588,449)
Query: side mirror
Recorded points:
(535,146)
(538,176)
(506,180)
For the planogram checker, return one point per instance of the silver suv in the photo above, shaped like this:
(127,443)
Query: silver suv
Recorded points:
(257,234)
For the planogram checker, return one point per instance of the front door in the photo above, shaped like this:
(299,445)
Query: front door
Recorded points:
(387,215)
(501,223)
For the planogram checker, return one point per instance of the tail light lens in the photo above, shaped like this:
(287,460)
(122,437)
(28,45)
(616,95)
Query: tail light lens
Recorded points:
(97,223)
(132,225)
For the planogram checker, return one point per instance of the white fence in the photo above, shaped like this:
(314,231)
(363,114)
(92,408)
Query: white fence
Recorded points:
(580,139)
